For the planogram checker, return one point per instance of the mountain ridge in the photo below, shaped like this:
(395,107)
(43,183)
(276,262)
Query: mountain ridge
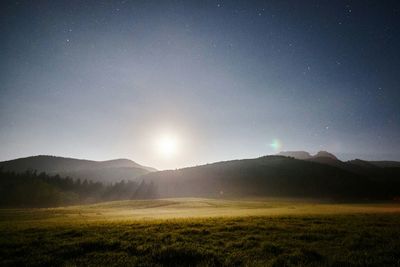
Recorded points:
(102,171)
(277,176)
(322,176)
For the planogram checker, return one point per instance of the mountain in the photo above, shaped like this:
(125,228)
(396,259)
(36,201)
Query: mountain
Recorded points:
(386,164)
(323,157)
(325,154)
(295,154)
(320,176)
(101,171)
(305,155)
(276,176)
(356,166)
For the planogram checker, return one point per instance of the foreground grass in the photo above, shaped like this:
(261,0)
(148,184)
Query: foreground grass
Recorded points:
(258,233)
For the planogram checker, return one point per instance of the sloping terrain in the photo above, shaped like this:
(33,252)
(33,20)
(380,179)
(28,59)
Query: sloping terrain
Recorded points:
(98,171)
(276,176)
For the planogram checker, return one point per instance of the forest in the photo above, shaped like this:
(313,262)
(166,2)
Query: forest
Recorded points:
(33,189)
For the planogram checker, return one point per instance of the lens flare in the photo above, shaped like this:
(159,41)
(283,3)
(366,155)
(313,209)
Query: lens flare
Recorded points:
(276,145)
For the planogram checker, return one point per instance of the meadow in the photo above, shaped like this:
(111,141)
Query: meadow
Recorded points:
(203,232)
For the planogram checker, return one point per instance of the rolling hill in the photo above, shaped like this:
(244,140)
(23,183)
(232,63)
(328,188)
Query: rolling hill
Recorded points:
(318,176)
(98,171)
(279,176)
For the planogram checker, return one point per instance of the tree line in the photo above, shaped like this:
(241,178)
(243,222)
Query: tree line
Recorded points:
(33,189)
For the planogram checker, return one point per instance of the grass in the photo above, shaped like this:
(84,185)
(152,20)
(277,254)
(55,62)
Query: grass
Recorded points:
(203,232)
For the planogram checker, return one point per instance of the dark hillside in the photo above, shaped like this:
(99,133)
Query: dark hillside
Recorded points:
(273,176)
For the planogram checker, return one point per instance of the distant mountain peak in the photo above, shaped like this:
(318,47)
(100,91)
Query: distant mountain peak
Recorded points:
(304,155)
(122,162)
(295,154)
(325,154)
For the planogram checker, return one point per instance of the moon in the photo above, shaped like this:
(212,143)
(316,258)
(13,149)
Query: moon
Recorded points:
(167,146)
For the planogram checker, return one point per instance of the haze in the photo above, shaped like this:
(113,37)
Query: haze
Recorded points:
(101,80)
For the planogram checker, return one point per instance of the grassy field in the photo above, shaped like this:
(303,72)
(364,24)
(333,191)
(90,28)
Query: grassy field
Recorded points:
(203,232)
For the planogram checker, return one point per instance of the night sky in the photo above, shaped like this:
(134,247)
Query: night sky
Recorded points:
(235,79)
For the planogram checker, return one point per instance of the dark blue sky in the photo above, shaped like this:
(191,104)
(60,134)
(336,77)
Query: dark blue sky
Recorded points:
(234,79)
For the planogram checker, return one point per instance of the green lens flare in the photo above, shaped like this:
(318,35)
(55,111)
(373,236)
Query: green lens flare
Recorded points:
(276,144)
